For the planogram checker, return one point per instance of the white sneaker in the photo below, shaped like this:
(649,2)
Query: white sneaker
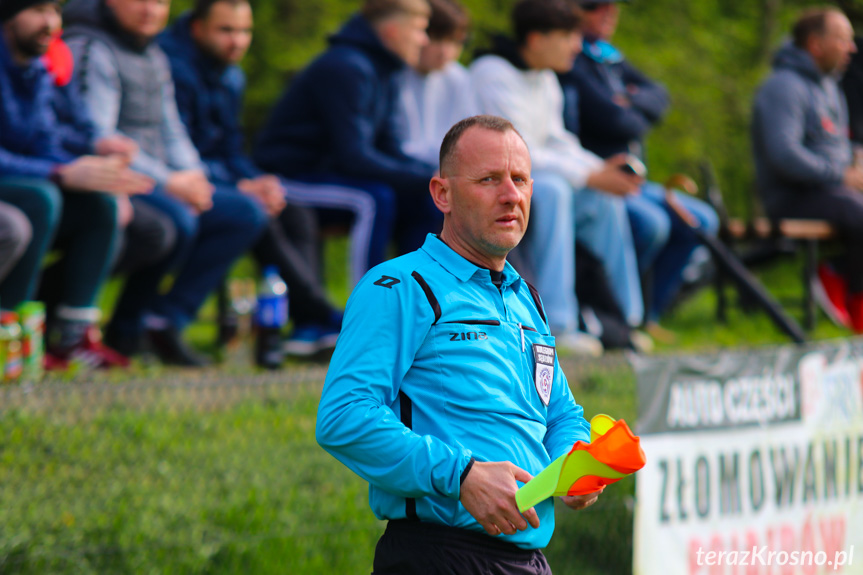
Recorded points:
(642,342)
(579,343)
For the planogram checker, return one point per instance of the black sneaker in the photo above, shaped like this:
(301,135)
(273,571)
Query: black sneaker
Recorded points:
(129,344)
(170,348)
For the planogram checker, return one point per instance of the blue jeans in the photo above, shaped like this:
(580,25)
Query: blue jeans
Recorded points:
(663,243)
(207,244)
(602,226)
(559,216)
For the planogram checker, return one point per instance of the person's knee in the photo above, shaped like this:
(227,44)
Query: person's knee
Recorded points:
(708,219)
(103,210)
(45,205)
(650,226)
(244,214)
(183,221)
(15,234)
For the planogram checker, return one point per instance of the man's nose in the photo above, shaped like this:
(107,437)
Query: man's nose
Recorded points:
(508,192)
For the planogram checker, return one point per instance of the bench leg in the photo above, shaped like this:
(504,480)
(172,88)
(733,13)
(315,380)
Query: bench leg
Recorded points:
(721,296)
(810,271)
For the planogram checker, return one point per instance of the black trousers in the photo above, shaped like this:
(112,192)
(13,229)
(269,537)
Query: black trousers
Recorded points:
(416,548)
(844,209)
(290,243)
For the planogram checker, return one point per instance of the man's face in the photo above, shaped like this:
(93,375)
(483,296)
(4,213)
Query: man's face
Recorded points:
(141,18)
(226,32)
(557,49)
(600,20)
(29,32)
(489,194)
(832,51)
(405,35)
(438,53)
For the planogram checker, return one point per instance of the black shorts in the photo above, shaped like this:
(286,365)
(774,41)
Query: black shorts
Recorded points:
(416,548)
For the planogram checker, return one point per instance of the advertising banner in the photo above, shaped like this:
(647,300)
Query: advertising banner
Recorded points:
(754,463)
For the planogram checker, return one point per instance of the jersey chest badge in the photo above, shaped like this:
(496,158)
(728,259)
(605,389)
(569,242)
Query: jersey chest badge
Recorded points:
(544,373)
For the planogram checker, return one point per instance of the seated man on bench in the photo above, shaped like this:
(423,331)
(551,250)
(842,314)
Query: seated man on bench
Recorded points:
(803,156)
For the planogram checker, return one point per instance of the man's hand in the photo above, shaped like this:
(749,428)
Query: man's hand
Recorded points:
(488,494)
(579,502)
(612,179)
(621,100)
(853,178)
(117,145)
(268,190)
(103,174)
(192,187)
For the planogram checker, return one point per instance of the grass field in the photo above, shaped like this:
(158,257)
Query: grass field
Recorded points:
(217,472)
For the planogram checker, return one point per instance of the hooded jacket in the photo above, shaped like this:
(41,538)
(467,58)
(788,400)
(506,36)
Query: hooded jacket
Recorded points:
(128,88)
(339,116)
(30,144)
(533,101)
(210,99)
(799,130)
(606,128)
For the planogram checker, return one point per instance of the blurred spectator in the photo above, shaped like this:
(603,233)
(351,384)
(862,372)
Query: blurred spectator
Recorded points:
(126,80)
(38,159)
(336,123)
(852,85)
(576,194)
(803,156)
(437,91)
(611,106)
(148,235)
(205,47)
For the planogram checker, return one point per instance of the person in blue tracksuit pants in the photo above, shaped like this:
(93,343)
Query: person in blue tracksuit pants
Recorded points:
(337,123)
(444,390)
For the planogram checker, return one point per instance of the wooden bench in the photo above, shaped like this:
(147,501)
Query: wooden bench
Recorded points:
(774,238)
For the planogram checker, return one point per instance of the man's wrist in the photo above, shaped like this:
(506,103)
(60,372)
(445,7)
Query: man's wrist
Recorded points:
(56,175)
(467,469)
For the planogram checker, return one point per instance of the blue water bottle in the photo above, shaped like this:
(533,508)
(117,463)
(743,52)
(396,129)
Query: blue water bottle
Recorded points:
(271,316)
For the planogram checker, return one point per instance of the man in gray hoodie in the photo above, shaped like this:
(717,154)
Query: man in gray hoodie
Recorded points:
(125,78)
(803,156)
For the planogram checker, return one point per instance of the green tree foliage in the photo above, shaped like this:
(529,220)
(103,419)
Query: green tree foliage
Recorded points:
(711,54)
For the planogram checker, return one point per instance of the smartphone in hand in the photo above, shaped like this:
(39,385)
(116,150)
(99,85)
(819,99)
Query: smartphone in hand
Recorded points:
(634,166)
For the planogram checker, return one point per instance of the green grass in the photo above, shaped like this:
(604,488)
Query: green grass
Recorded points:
(238,489)
(199,480)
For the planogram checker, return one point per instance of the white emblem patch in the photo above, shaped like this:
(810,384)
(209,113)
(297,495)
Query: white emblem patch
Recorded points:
(544,374)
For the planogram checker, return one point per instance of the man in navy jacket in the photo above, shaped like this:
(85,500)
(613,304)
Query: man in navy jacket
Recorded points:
(611,106)
(204,47)
(337,121)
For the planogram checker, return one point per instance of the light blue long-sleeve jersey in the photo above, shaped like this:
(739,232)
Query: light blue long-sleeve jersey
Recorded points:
(435,365)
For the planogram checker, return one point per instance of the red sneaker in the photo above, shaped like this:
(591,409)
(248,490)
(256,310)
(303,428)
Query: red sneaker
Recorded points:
(831,292)
(53,363)
(95,354)
(855,310)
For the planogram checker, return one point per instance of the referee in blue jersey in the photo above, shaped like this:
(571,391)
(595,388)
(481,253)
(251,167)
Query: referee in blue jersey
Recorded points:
(444,391)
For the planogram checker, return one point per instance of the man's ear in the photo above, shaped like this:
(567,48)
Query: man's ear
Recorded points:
(441,194)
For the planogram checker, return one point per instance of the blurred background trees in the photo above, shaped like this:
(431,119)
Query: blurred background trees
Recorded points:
(712,54)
